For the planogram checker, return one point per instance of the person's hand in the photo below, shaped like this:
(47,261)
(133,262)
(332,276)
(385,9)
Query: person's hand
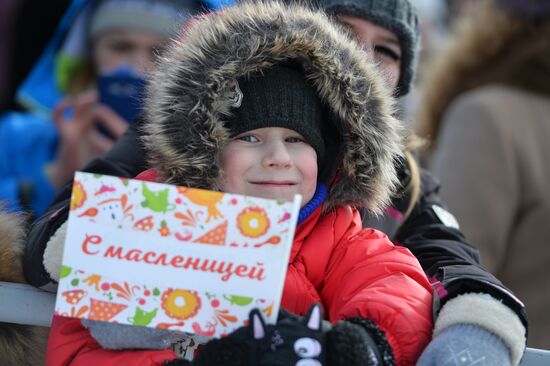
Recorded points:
(293,340)
(79,139)
(465,345)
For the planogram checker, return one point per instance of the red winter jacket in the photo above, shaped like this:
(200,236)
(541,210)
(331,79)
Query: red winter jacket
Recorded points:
(352,272)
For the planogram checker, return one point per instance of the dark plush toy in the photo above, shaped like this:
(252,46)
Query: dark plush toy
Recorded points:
(293,341)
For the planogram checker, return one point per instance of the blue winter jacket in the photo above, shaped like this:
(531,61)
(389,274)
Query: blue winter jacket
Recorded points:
(28,144)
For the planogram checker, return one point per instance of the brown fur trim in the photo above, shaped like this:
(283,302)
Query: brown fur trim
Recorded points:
(11,247)
(489,46)
(23,345)
(185,103)
(19,344)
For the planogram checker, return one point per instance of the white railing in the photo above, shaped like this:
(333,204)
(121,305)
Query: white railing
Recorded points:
(25,304)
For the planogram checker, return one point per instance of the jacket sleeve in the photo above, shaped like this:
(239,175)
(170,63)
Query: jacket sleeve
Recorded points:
(449,260)
(125,159)
(369,277)
(70,343)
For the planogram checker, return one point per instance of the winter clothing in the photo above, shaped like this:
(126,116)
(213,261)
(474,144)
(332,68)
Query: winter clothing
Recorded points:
(366,177)
(444,253)
(461,284)
(510,173)
(332,260)
(406,327)
(27,143)
(279,97)
(465,345)
(400,17)
(302,340)
(489,123)
(450,261)
(160,16)
(485,311)
(19,344)
(124,336)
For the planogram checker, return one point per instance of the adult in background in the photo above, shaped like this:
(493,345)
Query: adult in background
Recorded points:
(486,108)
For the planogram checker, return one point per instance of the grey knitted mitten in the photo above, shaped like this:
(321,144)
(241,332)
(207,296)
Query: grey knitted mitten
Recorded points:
(121,336)
(465,345)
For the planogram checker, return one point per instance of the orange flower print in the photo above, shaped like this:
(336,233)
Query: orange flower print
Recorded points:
(164,231)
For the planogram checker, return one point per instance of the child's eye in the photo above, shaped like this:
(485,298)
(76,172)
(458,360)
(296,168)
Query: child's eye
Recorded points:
(247,138)
(387,51)
(294,139)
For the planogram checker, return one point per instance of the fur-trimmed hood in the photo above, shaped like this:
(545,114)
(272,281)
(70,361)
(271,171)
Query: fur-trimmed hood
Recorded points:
(11,246)
(187,96)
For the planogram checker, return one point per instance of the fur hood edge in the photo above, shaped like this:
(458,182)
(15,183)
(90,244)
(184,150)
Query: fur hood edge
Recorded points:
(187,96)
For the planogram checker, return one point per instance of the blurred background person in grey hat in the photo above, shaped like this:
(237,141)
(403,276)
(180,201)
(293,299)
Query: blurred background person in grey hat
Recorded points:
(82,93)
(485,111)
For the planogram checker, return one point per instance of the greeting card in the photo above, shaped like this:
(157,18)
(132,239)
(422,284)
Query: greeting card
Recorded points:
(171,257)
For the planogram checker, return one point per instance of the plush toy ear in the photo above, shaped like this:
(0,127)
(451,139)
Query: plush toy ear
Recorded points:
(314,317)
(256,322)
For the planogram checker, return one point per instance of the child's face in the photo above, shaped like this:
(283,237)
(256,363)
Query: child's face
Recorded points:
(274,163)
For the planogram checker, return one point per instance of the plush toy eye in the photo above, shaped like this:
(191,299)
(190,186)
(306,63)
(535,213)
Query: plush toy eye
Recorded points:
(308,362)
(307,347)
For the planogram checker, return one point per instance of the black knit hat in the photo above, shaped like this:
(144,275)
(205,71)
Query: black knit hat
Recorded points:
(279,97)
(400,17)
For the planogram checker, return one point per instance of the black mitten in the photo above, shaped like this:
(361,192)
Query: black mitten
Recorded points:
(358,341)
(233,349)
(293,339)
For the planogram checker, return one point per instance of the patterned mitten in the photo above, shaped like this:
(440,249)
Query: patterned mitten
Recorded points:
(465,345)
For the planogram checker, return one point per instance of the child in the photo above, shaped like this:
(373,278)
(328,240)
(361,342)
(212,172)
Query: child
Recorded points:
(272,101)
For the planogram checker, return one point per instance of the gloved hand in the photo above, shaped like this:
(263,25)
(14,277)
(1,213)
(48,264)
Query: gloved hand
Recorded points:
(293,340)
(465,345)
(121,336)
